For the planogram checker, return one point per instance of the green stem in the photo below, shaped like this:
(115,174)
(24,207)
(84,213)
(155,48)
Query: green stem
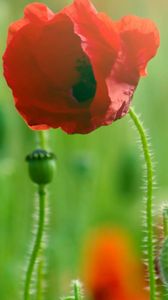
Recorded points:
(40,277)
(37,244)
(149,197)
(77,290)
(43,144)
(42,136)
(165,221)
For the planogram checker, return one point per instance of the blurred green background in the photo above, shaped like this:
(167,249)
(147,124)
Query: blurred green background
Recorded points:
(99,176)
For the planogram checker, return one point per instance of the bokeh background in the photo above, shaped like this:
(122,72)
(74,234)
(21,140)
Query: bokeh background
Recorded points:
(99,176)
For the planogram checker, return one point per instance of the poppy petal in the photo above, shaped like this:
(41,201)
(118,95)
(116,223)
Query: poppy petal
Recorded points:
(140,40)
(76,69)
(24,77)
(59,59)
(95,35)
(41,71)
(112,269)
(38,12)
(34,12)
(101,43)
(15,27)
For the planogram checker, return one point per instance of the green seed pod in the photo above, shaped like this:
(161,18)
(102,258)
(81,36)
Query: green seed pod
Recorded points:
(163,262)
(41,166)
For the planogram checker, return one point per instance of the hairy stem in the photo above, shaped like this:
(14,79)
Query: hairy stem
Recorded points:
(40,277)
(77,295)
(37,244)
(165,222)
(149,198)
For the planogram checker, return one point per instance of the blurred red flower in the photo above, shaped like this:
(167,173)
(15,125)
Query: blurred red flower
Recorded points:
(76,69)
(112,269)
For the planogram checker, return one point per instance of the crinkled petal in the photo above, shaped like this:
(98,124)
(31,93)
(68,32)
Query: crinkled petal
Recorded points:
(140,41)
(31,64)
(48,55)
(20,67)
(14,28)
(70,119)
(38,12)
(101,43)
(97,34)
(34,12)
(41,103)
(42,74)
(58,51)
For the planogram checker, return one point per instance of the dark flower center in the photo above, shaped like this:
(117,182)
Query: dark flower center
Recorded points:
(85,89)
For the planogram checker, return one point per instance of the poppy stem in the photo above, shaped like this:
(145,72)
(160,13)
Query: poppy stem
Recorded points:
(165,221)
(38,241)
(42,139)
(77,290)
(149,198)
(36,257)
(40,277)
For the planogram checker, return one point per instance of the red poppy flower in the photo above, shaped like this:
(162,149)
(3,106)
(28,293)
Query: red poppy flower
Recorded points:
(112,269)
(76,69)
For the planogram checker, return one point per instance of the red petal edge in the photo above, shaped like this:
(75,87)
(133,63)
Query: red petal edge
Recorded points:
(34,12)
(141,40)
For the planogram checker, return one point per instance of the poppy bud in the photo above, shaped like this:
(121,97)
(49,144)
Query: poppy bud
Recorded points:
(41,166)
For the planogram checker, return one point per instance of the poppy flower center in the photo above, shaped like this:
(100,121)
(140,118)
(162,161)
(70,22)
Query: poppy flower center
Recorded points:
(85,88)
